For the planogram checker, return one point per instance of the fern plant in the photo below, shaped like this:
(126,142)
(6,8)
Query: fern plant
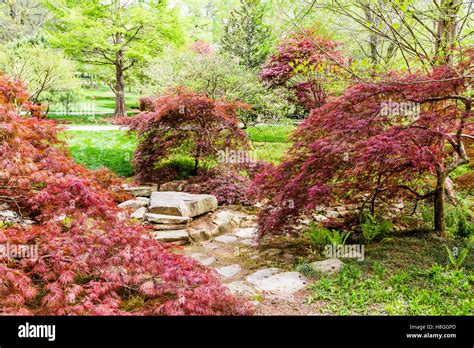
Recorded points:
(456,261)
(374,228)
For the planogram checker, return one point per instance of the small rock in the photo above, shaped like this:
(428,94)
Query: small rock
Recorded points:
(166,219)
(327,266)
(246,233)
(176,185)
(171,236)
(331,214)
(248,242)
(8,214)
(229,271)
(320,218)
(226,239)
(241,288)
(271,252)
(134,203)
(140,191)
(226,222)
(139,213)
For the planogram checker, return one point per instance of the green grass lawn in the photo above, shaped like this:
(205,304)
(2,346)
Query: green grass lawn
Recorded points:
(114,149)
(111,149)
(405,275)
(100,100)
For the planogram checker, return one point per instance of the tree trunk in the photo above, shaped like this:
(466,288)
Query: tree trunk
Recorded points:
(120,108)
(439,203)
(446,30)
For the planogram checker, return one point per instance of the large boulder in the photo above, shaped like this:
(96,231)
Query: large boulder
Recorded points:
(181,203)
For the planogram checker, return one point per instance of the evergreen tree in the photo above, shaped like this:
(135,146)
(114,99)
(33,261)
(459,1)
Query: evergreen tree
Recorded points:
(246,36)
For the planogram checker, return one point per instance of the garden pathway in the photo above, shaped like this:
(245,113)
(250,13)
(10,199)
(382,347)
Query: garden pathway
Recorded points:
(263,275)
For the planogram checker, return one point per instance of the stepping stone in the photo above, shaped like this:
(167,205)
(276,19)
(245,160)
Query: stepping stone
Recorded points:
(139,213)
(248,242)
(203,259)
(241,288)
(229,271)
(166,219)
(171,236)
(226,239)
(181,203)
(256,277)
(282,284)
(327,266)
(226,222)
(246,233)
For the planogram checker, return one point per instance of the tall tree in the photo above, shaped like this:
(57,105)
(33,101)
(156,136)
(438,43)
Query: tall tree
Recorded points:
(121,34)
(246,36)
(425,33)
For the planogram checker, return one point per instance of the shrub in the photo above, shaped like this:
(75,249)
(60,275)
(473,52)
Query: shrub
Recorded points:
(320,236)
(147,103)
(374,228)
(228,185)
(91,261)
(184,123)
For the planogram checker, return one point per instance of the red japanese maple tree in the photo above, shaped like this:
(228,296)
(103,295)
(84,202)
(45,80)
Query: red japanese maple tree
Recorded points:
(305,63)
(188,122)
(91,260)
(351,150)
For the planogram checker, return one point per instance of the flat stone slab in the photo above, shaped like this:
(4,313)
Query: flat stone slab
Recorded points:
(241,288)
(283,284)
(229,271)
(250,242)
(167,227)
(332,265)
(171,236)
(139,213)
(258,276)
(136,203)
(181,203)
(226,239)
(140,191)
(203,259)
(166,219)
(247,232)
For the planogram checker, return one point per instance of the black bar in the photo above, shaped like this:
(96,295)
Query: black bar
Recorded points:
(288,331)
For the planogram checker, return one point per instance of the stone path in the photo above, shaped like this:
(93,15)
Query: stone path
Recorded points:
(263,276)
(225,240)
